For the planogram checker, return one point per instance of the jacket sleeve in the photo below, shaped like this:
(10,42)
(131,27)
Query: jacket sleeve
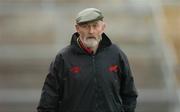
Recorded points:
(51,94)
(128,91)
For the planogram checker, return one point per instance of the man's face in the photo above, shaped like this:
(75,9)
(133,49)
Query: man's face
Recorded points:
(90,33)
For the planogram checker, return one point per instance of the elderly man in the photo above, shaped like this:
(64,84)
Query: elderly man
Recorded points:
(89,75)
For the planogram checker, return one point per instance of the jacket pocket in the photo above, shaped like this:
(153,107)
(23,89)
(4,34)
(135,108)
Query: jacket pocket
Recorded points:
(120,108)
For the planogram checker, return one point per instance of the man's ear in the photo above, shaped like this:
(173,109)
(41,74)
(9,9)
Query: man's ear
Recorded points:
(103,26)
(77,27)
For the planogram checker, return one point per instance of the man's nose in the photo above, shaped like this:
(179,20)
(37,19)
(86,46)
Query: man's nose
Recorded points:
(91,29)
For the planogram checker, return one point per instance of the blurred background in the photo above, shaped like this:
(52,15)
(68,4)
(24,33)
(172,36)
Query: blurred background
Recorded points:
(33,31)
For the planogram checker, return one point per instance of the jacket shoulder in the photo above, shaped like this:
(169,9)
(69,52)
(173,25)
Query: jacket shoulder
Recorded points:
(119,51)
(65,50)
(62,53)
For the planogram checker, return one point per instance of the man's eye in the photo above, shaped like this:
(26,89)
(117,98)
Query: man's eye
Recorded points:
(95,25)
(84,26)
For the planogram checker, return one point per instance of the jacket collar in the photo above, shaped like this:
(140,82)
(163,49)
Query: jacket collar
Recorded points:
(105,42)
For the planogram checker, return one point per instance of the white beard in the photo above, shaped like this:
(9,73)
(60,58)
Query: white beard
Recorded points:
(91,42)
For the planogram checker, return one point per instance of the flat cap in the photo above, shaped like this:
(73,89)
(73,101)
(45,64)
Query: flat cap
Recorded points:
(88,15)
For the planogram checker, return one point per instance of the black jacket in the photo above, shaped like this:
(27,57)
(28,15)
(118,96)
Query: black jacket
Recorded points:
(82,82)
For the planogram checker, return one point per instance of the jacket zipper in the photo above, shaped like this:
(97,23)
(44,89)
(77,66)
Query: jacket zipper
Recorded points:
(94,71)
(95,78)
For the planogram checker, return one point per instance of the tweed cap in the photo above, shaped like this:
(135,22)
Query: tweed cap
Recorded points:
(88,15)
